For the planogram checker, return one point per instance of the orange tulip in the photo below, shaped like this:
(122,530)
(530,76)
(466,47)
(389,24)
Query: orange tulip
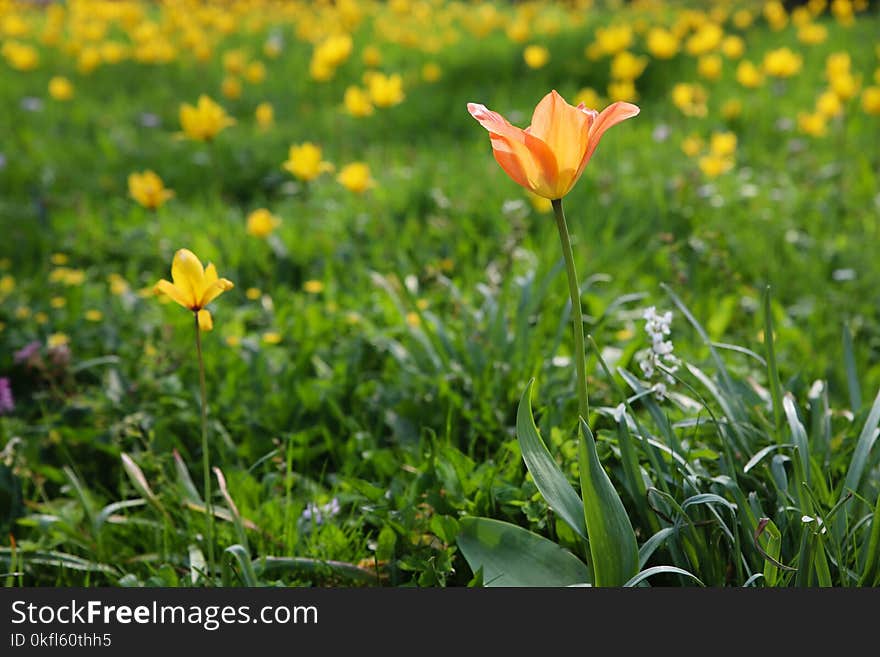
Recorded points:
(549,156)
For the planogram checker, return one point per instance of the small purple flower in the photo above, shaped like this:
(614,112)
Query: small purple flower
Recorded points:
(316,514)
(27,353)
(7,404)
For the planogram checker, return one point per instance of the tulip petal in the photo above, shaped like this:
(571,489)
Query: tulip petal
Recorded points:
(206,322)
(214,290)
(565,129)
(166,287)
(188,276)
(524,157)
(608,117)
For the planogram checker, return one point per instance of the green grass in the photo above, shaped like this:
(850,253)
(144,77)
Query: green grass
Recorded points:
(410,425)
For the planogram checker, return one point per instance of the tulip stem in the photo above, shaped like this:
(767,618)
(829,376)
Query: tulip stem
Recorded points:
(577,315)
(206,465)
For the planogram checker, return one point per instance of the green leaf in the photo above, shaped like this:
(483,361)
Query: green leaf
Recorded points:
(852,377)
(613,547)
(244,561)
(549,479)
(512,556)
(799,434)
(656,570)
(871,576)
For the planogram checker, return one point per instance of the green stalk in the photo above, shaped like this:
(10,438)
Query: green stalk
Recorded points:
(206,465)
(613,549)
(577,315)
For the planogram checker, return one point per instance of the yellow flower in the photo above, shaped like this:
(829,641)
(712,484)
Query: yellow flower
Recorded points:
(431,72)
(722,143)
(357,101)
(371,56)
(313,286)
(662,43)
(57,340)
(234,61)
(253,293)
(413,319)
(709,67)
(838,63)
(706,39)
(204,121)
(536,56)
(828,104)
(690,99)
(843,11)
(271,337)
(194,286)
(265,115)
(94,315)
(626,66)
(356,177)
(118,285)
(622,91)
(749,75)
(385,91)
(261,223)
(41,317)
(782,63)
(58,302)
(812,124)
(60,88)
(7,285)
(255,73)
(733,47)
(812,34)
(692,145)
(148,189)
(713,165)
(871,100)
(539,203)
(776,15)
(231,88)
(22,312)
(731,109)
(845,86)
(742,19)
(21,56)
(589,98)
(304,161)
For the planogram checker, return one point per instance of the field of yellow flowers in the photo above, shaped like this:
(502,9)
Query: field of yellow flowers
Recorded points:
(282,299)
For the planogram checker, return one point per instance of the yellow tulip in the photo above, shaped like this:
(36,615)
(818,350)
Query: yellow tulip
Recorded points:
(193,286)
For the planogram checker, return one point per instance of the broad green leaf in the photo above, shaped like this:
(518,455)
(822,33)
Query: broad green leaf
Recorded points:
(549,479)
(244,561)
(512,556)
(613,547)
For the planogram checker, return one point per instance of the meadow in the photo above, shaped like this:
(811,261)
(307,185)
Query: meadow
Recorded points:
(390,293)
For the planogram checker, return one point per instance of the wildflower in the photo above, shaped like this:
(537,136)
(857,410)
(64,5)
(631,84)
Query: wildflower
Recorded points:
(871,100)
(313,286)
(94,315)
(845,86)
(148,189)
(385,91)
(692,145)
(837,64)
(588,97)
(357,101)
(536,56)
(271,337)
(690,99)
(60,88)
(231,88)
(775,14)
(622,91)
(7,403)
(431,72)
(355,177)
(782,63)
(261,223)
(56,340)
(659,356)
(731,109)
(58,302)
(253,293)
(204,121)
(709,67)
(723,143)
(813,124)
(194,286)
(265,115)
(29,354)
(20,56)
(255,73)
(549,157)
(371,57)
(749,75)
(662,43)
(713,165)
(317,514)
(626,66)
(812,34)
(733,47)
(304,161)
(7,285)
(828,104)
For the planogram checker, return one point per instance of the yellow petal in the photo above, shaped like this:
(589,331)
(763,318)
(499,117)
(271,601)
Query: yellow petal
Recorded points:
(206,323)
(214,290)
(166,287)
(188,275)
